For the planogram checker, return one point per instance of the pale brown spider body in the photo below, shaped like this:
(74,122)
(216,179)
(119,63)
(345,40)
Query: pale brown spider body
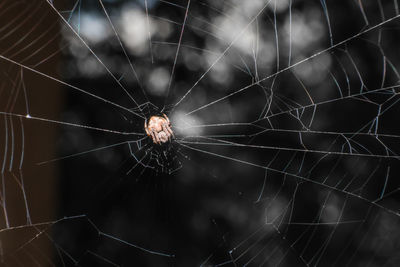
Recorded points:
(158,128)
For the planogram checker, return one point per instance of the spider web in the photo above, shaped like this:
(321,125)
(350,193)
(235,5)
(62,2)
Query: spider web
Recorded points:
(284,112)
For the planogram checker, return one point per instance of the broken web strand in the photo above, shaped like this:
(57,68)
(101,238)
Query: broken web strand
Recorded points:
(372,123)
(304,179)
(44,232)
(37,118)
(350,182)
(139,162)
(223,142)
(285,69)
(100,233)
(48,225)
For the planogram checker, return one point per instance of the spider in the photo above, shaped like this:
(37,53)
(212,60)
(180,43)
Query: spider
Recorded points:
(158,128)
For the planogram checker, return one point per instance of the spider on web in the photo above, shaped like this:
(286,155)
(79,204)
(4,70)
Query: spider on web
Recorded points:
(162,153)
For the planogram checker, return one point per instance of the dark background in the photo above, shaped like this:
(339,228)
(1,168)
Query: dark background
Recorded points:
(327,197)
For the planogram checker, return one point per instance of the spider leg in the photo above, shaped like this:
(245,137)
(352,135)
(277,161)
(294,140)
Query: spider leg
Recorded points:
(145,128)
(171,133)
(165,116)
(157,139)
(153,136)
(166,130)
